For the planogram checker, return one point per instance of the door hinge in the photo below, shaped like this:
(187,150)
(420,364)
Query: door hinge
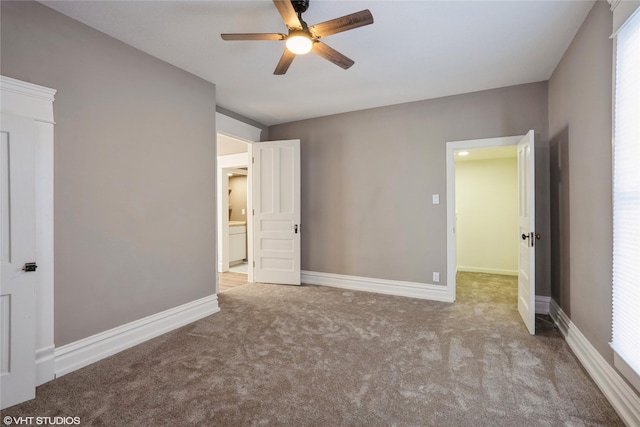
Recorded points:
(253,160)
(534,237)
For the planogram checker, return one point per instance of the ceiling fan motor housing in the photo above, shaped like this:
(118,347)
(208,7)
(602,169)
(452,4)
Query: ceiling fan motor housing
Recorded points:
(300,6)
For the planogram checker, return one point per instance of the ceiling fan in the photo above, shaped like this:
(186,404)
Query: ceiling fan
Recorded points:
(302,39)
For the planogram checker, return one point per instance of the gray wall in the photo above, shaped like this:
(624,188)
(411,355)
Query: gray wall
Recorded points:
(134,171)
(368,177)
(238,197)
(580,128)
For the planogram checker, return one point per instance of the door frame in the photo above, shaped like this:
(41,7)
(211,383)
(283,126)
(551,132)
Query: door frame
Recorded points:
(451,148)
(36,102)
(248,134)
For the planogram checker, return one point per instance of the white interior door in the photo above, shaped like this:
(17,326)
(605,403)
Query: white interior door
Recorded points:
(526,232)
(18,247)
(276,205)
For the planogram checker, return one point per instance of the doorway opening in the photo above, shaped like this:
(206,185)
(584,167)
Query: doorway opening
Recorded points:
(486,192)
(272,214)
(484,219)
(237,208)
(235,245)
(486,222)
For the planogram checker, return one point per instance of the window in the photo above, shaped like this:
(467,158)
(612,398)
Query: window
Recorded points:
(626,203)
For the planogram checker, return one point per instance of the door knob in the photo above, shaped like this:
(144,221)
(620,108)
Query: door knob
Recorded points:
(526,236)
(30,266)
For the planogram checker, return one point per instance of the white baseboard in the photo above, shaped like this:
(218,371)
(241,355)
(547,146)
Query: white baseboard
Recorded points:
(621,396)
(542,304)
(45,364)
(81,353)
(380,286)
(488,270)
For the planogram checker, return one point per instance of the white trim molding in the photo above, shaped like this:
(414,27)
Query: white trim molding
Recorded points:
(394,287)
(234,128)
(627,371)
(26,99)
(622,11)
(542,304)
(79,354)
(380,286)
(623,399)
(498,271)
(25,88)
(45,364)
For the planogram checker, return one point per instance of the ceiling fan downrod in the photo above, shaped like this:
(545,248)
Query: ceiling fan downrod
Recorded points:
(301,6)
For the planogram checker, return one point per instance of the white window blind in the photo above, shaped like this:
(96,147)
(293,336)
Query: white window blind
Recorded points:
(626,203)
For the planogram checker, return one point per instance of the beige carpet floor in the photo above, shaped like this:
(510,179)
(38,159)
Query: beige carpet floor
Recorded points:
(318,356)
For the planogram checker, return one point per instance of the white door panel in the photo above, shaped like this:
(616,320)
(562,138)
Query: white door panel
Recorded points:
(18,247)
(526,231)
(276,204)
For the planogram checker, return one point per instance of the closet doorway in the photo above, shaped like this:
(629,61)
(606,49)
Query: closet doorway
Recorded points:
(526,235)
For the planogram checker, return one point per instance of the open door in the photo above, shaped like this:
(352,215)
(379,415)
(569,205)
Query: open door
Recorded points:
(276,209)
(526,232)
(18,277)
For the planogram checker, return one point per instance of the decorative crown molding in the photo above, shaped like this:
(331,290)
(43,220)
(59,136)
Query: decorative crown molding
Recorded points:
(25,88)
(26,99)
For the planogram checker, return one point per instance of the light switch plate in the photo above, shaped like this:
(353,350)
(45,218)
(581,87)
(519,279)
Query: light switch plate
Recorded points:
(436,199)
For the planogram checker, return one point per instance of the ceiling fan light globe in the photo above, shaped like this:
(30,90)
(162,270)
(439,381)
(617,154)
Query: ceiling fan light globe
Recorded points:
(299,44)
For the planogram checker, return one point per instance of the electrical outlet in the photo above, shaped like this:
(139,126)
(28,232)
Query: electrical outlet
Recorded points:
(243,212)
(436,277)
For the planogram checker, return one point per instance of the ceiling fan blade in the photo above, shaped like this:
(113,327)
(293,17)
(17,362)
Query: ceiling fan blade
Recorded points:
(253,36)
(344,23)
(331,55)
(288,13)
(285,61)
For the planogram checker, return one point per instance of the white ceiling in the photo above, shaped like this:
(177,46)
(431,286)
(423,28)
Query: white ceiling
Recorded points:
(414,50)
